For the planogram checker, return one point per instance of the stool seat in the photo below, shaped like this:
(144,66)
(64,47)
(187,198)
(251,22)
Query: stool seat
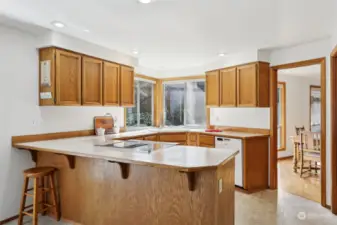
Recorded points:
(38,171)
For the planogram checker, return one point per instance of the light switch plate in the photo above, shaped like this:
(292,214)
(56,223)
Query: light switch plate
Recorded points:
(220,185)
(46,95)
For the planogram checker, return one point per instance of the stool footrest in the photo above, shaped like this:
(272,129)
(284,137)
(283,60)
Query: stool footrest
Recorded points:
(27,213)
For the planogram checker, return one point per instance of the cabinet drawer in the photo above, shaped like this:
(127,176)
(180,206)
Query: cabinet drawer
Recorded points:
(206,140)
(173,137)
(150,138)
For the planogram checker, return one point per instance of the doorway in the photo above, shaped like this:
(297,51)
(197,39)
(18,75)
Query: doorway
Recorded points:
(274,121)
(299,113)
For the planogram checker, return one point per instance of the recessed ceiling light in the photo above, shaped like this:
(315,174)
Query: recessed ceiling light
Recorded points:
(86,30)
(221,54)
(135,52)
(145,1)
(58,24)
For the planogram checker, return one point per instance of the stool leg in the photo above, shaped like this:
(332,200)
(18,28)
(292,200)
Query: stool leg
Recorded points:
(23,201)
(43,195)
(53,197)
(35,201)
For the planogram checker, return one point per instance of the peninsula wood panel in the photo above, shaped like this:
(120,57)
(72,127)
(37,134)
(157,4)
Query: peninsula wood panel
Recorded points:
(92,78)
(111,84)
(228,87)
(150,138)
(68,78)
(212,88)
(127,86)
(153,196)
(247,85)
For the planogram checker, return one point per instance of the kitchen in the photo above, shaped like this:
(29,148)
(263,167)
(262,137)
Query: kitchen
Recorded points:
(69,78)
(223,114)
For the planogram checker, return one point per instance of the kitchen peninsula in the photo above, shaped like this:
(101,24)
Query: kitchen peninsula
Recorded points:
(180,185)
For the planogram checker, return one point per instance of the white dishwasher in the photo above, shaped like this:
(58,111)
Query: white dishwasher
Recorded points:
(235,144)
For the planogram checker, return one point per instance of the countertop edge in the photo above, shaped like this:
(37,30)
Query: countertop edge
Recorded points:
(21,146)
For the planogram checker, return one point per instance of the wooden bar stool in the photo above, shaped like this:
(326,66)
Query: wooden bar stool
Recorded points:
(41,176)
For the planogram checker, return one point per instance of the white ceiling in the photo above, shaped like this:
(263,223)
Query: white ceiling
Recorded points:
(306,71)
(175,34)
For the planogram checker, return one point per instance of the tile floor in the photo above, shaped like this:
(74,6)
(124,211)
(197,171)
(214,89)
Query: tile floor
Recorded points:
(263,208)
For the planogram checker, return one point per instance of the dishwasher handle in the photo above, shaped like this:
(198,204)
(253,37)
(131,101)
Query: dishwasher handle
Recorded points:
(222,139)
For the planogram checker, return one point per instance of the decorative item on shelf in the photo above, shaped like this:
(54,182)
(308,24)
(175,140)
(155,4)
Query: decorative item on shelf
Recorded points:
(105,122)
(100,131)
(116,128)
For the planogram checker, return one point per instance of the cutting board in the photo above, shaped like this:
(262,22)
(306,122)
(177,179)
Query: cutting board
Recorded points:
(105,122)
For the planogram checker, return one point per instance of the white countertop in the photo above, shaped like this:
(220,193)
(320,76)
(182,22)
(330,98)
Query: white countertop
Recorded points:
(184,158)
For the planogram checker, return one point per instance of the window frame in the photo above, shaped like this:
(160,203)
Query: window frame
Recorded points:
(138,104)
(283,101)
(185,95)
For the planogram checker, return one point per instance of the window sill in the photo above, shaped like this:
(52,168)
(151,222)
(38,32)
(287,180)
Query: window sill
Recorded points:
(281,149)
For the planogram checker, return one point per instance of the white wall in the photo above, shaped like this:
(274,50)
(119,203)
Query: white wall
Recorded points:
(297,106)
(20,113)
(241,117)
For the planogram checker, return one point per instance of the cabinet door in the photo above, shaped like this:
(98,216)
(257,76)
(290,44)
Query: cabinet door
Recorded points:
(247,85)
(68,78)
(127,86)
(91,81)
(228,87)
(212,88)
(111,73)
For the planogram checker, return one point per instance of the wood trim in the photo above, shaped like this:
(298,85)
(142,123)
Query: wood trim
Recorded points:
(244,64)
(5,221)
(273,122)
(273,130)
(333,81)
(312,87)
(285,158)
(283,116)
(51,136)
(146,77)
(184,78)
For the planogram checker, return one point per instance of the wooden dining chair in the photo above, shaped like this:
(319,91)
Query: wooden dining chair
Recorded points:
(299,130)
(309,151)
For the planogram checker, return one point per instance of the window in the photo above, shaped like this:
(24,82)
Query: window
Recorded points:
(142,114)
(315,108)
(281,116)
(184,103)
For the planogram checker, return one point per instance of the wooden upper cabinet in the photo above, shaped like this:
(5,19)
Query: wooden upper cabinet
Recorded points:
(247,85)
(212,88)
(127,86)
(92,70)
(68,78)
(111,74)
(228,87)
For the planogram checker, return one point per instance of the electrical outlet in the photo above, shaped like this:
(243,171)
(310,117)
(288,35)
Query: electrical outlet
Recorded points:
(220,185)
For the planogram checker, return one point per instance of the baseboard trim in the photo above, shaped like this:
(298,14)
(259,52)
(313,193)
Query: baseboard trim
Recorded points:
(285,158)
(10,219)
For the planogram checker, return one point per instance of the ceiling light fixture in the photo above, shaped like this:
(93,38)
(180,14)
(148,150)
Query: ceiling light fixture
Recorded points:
(135,52)
(86,30)
(58,24)
(222,54)
(145,1)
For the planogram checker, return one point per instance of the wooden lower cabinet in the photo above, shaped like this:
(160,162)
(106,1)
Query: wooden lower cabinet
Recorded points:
(206,140)
(180,138)
(150,138)
(255,163)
